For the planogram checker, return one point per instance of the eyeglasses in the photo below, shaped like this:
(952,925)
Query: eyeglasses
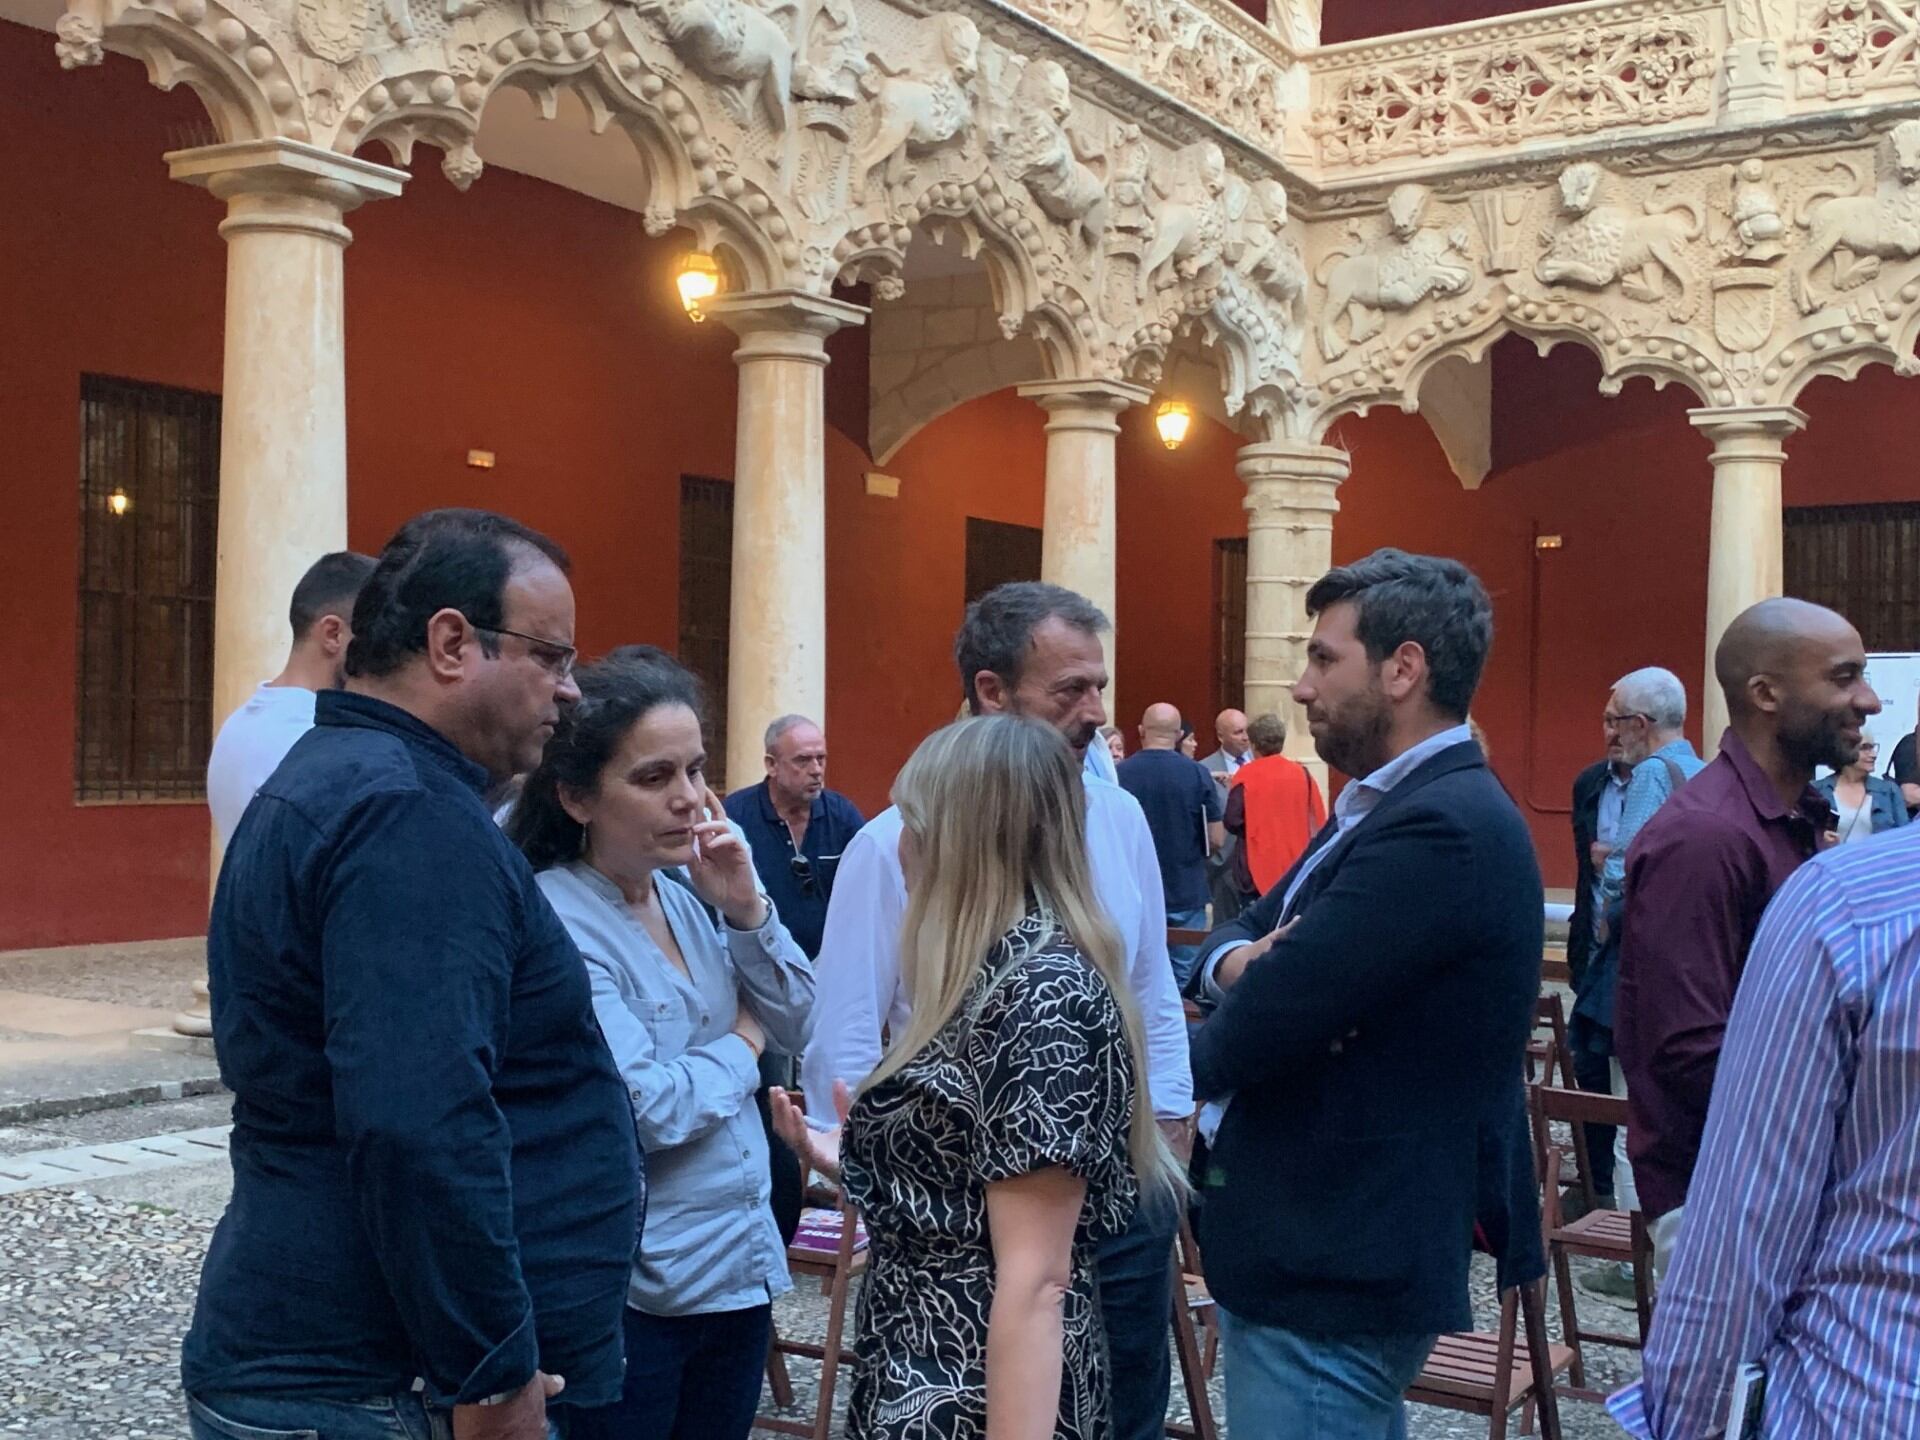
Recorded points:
(550,655)
(1614,722)
(802,869)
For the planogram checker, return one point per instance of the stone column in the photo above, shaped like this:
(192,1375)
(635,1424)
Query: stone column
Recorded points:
(1077,535)
(1290,506)
(1744,547)
(777,633)
(283,419)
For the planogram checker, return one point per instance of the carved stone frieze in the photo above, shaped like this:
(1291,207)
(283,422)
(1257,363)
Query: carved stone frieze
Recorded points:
(1849,235)
(1392,272)
(1569,74)
(1846,48)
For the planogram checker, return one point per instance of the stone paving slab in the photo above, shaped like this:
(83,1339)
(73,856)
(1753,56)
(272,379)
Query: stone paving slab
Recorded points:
(154,974)
(111,1160)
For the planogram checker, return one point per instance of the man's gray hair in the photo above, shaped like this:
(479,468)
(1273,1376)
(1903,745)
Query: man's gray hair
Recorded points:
(782,726)
(1656,693)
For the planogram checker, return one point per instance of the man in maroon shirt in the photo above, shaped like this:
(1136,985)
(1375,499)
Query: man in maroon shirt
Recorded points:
(1702,870)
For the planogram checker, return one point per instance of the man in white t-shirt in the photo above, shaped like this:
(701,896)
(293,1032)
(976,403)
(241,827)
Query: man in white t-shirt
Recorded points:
(256,737)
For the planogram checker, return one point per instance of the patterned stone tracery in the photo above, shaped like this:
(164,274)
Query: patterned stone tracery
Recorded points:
(1138,188)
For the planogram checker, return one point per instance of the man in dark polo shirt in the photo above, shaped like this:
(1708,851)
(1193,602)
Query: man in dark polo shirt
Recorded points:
(436,1183)
(1702,870)
(1184,811)
(796,827)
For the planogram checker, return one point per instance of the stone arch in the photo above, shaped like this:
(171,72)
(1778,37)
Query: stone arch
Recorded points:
(221,58)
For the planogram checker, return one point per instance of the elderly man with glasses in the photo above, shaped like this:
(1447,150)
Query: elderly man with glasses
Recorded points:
(1643,720)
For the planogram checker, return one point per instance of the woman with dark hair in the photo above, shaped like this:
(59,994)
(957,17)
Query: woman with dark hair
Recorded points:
(687,1006)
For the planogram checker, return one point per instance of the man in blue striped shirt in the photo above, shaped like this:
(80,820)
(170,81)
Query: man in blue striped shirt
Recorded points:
(1801,1243)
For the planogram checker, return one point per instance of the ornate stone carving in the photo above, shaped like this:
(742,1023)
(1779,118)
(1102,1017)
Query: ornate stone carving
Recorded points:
(1857,232)
(1392,272)
(740,49)
(1589,70)
(78,41)
(1190,226)
(833,56)
(1847,47)
(1041,152)
(922,100)
(1748,222)
(1264,253)
(1600,245)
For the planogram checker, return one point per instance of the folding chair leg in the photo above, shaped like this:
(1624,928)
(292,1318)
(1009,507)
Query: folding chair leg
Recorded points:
(778,1380)
(1192,1373)
(830,1360)
(1569,1317)
(1533,1313)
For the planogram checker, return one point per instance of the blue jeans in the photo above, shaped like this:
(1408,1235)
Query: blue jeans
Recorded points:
(689,1377)
(259,1417)
(1185,958)
(1292,1385)
(1135,1274)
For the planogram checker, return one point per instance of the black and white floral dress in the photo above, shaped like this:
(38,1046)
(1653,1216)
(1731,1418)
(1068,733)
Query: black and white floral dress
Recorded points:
(1033,1071)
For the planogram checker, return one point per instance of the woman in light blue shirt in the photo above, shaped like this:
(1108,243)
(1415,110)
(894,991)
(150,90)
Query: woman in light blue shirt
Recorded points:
(687,1005)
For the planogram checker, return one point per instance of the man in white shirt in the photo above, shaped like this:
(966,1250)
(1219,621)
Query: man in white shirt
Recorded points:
(1032,649)
(256,737)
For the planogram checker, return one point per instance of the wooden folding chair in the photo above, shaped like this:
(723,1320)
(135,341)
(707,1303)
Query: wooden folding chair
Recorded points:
(831,1244)
(1489,1373)
(1196,1336)
(1616,1236)
(1547,1050)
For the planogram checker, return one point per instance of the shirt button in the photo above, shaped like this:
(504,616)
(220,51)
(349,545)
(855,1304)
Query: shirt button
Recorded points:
(703,1017)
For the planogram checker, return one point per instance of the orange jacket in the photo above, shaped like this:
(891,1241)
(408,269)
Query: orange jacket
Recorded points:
(1278,807)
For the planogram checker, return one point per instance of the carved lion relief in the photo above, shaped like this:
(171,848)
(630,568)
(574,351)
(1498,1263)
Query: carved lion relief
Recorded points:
(1598,245)
(1391,272)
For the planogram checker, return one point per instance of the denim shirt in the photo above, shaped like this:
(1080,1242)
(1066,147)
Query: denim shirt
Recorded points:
(711,1243)
(435,1172)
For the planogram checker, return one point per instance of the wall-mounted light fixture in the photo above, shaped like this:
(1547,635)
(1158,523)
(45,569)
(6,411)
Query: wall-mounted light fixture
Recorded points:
(119,502)
(1173,420)
(1549,542)
(697,277)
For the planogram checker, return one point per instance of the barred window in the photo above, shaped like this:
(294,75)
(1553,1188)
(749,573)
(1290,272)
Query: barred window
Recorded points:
(1229,624)
(149,510)
(1859,560)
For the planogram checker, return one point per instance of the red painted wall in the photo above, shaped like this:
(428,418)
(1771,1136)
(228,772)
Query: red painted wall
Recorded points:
(539,324)
(1361,19)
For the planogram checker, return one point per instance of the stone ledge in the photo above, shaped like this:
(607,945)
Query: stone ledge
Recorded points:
(52,1107)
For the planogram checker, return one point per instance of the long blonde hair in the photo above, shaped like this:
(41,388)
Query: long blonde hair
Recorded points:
(995,809)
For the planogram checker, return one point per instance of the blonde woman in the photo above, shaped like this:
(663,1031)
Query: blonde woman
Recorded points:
(1008,1130)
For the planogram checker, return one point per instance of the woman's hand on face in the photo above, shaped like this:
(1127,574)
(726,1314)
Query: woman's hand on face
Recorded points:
(819,1148)
(722,868)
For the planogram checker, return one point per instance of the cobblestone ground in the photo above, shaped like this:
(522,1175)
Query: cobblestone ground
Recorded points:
(97,1288)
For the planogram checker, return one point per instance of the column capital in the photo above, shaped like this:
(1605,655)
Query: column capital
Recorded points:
(1748,422)
(783,324)
(1268,460)
(1100,397)
(284,184)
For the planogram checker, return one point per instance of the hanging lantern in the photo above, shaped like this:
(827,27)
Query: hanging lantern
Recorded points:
(698,279)
(118,502)
(1173,420)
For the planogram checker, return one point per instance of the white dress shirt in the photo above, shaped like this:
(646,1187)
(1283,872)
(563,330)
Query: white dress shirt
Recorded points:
(250,747)
(1355,803)
(857,976)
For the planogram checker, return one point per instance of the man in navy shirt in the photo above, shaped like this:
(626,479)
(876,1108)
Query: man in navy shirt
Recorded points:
(796,827)
(436,1183)
(1184,812)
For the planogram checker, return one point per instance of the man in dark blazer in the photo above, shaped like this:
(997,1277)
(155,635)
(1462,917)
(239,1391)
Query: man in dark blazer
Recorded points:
(1375,1005)
(1601,786)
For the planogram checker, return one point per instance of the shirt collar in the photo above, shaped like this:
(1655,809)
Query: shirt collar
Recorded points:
(1401,766)
(351,710)
(1765,800)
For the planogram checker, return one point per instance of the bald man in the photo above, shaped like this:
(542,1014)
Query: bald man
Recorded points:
(1184,809)
(1235,749)
(1702,870)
